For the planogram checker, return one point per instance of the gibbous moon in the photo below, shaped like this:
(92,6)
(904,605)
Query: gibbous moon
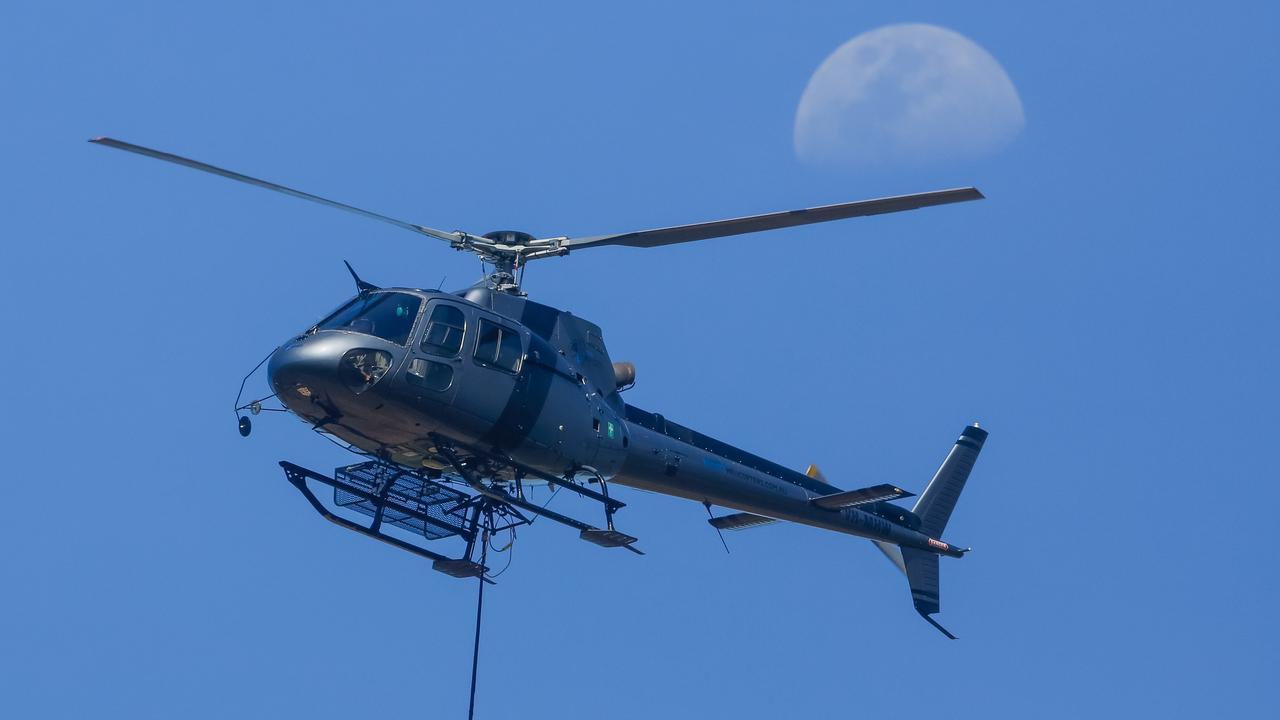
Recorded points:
(905,94)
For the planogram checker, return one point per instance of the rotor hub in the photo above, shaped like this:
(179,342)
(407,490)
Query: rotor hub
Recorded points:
(511,237)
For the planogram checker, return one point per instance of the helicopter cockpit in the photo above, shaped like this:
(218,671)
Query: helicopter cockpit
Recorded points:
(302,371)
(388,315)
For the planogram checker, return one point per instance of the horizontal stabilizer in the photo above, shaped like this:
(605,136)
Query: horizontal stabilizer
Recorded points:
(861,496)
(739,521)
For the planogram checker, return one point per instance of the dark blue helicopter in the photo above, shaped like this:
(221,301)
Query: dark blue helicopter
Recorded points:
(460,400)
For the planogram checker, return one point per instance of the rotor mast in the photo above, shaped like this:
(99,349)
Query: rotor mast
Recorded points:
(508,251)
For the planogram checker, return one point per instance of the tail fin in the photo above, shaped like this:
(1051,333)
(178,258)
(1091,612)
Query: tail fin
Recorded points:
(922,574)
(939,499)
(934,509)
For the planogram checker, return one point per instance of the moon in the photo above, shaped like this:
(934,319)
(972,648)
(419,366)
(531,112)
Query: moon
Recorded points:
(905,95)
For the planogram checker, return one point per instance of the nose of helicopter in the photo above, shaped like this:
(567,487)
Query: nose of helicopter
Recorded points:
(302,372)
(315,375)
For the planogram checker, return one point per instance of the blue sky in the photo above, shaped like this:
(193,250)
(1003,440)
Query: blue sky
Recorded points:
(1109,314)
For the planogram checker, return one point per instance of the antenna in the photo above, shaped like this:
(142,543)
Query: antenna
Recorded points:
(707,504)
(361,285)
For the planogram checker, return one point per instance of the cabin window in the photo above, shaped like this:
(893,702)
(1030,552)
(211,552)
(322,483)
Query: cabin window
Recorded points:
(388,315)
(444,331)
(429,374)
(498,347)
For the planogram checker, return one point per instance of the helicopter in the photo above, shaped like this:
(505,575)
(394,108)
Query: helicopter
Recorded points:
(459,401)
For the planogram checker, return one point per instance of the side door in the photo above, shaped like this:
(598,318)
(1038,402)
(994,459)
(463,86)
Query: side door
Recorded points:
(497,348)
(435,368)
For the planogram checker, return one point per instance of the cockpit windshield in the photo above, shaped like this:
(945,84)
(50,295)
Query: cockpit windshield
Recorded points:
(388,315)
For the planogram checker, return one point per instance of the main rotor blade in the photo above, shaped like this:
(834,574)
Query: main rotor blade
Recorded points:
(196,164)
(774,221)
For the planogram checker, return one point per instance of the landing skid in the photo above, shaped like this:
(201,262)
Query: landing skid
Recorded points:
(473,500)
(608,538)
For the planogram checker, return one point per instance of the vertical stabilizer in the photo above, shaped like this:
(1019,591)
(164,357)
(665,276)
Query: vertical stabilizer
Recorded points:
(939,499)
(934,509)
(922,574)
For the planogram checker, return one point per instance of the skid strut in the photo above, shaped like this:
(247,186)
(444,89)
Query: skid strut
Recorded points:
(606,537)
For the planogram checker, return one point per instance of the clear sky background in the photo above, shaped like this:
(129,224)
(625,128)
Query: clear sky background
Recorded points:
(1109,314)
